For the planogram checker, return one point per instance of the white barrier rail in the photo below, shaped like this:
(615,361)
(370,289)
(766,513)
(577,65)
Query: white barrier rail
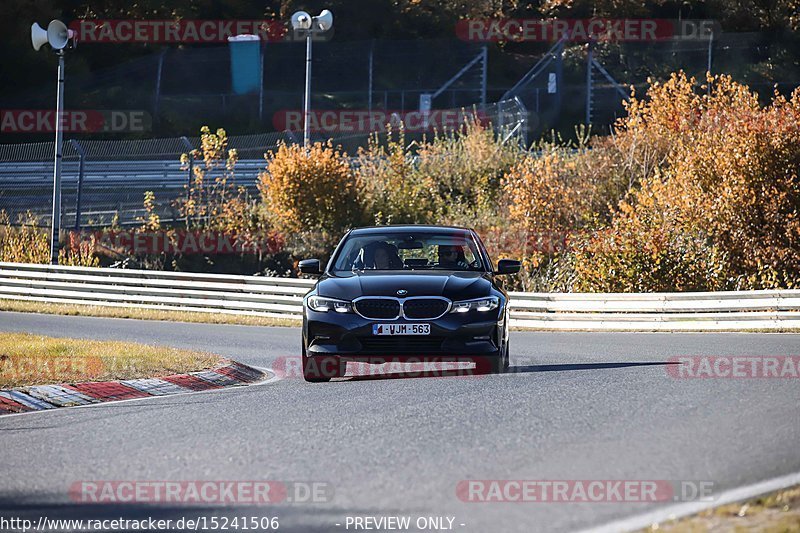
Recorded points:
(282,298)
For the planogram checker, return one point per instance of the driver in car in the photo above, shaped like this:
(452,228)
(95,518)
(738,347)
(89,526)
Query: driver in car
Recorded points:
(381,258)
(452,257)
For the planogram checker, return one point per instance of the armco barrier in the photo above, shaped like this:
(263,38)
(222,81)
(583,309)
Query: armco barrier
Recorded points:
(672,311)
(282,298)
(149,289)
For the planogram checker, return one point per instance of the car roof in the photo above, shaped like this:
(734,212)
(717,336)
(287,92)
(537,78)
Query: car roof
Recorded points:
(412,228)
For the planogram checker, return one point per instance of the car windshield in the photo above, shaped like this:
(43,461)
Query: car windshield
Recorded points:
(409,251)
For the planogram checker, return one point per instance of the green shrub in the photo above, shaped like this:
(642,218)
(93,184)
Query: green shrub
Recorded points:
(391,189)
(453,178)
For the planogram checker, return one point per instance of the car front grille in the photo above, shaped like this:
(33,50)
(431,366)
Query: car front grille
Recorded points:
(422,308)
(395,345)
(378,308)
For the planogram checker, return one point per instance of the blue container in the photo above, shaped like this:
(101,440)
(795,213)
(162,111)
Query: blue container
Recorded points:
(245,63)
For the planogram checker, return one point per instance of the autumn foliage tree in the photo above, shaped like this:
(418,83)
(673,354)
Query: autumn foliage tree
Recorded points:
(721,210)
(309,195)
(551,198)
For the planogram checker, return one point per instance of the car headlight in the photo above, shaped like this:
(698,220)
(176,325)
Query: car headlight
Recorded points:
(481,304)
(323,305)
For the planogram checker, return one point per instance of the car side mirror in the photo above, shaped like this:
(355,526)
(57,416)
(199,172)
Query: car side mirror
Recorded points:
(508,266)
(310,266)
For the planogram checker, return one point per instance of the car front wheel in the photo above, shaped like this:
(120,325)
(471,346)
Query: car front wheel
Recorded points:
(321,369)
(494,364)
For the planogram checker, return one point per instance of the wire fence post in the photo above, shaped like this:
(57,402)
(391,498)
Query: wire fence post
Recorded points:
(559,75)
(190,173)
(522,118)
(589,61)
(261,57)
(157,96)
(484,73)
(710,52)
(369,81)
(79,188)
(307,98)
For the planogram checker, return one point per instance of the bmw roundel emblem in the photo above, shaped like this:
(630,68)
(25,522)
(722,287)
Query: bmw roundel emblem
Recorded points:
(402,292)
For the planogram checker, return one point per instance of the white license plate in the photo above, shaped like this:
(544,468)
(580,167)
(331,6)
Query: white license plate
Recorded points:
(401,329)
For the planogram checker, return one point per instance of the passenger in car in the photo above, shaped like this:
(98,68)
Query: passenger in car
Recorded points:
(379,256)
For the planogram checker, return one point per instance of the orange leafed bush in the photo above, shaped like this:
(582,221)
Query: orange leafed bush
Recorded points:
(552,198)
(545,194)
(721,210)
(314,191)
(390,188)
(452,178)
(546,203)
(29,242)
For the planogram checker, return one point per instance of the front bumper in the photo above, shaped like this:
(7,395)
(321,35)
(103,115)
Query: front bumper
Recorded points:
(453,337)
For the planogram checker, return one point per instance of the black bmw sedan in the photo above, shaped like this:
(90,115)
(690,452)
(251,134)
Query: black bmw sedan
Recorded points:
(405,293)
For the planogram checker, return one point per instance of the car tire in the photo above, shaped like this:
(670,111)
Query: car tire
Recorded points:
(499,364)
(322,369)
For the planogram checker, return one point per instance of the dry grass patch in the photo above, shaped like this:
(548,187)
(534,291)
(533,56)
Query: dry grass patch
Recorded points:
(27,359)
(777,512)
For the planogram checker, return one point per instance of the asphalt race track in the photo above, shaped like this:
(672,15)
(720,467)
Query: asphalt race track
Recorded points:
(576,406)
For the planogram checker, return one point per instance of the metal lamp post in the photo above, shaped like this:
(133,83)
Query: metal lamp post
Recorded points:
(57,36)
(56,222)
(304,22)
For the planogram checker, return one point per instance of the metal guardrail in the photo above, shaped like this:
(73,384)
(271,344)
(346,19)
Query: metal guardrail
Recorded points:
(107,189)
(105,180)
(147,289)
(673,311)
(282,298)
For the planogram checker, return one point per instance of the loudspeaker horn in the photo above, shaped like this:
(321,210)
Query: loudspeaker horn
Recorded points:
(38,36)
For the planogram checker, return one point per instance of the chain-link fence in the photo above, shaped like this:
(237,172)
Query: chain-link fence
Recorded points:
(583,83)
(105,180)
(179,90)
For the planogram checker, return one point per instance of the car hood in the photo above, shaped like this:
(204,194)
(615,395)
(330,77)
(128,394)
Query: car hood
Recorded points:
(452,285)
